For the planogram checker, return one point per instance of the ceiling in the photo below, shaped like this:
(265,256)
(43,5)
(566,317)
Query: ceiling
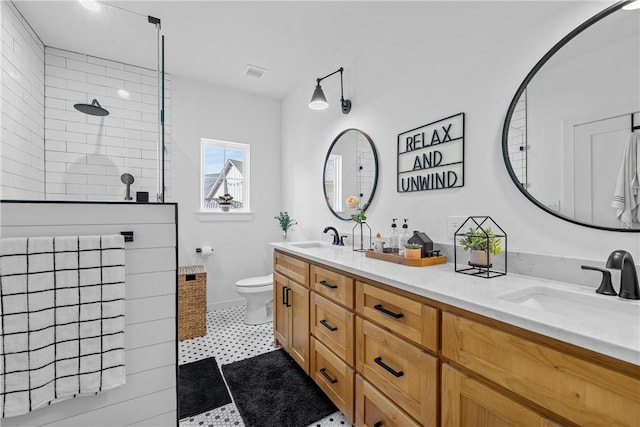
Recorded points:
(206,40)
(213,41)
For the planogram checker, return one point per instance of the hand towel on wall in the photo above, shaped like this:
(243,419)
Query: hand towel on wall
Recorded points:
(626,198)
(62,314)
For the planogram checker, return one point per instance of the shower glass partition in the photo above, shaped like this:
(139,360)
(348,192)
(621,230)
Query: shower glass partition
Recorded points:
(83,102)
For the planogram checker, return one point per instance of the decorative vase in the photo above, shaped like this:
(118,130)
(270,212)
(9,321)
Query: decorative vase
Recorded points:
(479,258)
(413,253)
(284,235)
(361,237)
(225,208)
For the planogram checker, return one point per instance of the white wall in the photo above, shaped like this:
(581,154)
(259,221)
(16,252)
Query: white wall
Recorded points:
(398,80)
(241,249)
(22,106)
(85,155)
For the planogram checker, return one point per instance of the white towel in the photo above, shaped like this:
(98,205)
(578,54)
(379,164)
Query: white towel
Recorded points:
(626,197)
(62,301)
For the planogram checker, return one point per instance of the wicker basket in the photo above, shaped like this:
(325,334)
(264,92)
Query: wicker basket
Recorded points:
(192,302)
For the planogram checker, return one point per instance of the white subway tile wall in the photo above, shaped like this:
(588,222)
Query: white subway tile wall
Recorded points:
(86,155)
(22,124)
(517,142)
(49,150)
(367,170)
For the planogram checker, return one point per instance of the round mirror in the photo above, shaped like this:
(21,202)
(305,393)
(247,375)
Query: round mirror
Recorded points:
(570,126)
(350,169)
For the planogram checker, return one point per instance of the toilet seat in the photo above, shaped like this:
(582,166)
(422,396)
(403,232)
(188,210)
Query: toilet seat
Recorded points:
(255,282)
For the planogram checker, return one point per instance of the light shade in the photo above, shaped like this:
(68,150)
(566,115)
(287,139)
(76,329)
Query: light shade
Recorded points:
(318,100)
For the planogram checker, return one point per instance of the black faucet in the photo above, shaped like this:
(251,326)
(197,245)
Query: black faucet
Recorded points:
(336,236)
(622,260)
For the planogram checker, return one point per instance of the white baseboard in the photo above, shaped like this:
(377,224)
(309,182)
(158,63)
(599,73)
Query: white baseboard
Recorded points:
(226,304)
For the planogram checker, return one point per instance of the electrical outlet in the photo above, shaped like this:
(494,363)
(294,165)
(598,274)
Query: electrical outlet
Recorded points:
(453,223)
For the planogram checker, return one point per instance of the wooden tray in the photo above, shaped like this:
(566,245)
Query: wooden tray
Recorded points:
(411,262)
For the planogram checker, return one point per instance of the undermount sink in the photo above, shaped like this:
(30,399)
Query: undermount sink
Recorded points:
(597,308)
(309,245)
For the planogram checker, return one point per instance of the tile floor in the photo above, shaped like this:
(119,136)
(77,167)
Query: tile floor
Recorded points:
(228,339)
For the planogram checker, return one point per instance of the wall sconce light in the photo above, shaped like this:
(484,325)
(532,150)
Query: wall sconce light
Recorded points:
(319,101)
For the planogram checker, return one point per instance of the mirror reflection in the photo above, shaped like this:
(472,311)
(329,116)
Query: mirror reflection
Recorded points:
(568,135)
(350,169)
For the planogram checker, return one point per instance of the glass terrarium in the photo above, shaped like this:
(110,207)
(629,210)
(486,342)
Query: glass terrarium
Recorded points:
(480,248)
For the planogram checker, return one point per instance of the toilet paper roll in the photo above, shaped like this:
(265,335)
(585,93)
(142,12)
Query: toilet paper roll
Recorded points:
(207,250)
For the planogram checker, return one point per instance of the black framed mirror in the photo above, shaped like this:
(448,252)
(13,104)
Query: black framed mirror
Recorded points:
(350,169)
(572,120)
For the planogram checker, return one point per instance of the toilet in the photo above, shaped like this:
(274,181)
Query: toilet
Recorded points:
(258,291)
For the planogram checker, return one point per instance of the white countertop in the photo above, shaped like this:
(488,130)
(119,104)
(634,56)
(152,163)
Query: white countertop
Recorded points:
(588,319)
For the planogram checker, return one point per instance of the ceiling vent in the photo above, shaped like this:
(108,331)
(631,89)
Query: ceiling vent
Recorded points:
(254,71)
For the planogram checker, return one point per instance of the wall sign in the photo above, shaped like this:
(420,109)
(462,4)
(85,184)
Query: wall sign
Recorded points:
(431,157)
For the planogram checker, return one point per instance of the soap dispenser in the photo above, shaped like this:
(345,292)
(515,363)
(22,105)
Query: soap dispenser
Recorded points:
(394,244)
(404,236)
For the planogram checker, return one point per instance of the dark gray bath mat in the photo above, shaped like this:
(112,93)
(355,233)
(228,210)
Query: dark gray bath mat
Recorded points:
(272,390)
(201,387)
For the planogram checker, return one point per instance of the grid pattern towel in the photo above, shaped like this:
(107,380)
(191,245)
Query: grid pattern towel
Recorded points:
(62,319)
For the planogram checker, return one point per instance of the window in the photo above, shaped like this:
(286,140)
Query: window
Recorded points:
(225,176)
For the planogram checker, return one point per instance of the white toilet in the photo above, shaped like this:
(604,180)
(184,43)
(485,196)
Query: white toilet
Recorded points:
(258,291)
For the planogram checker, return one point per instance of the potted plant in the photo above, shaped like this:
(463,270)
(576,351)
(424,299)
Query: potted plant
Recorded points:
(286,222)
(412,250)
(482,242)
(225,202)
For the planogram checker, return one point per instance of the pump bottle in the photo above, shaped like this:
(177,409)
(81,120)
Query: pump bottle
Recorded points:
(404,237)
(394,245)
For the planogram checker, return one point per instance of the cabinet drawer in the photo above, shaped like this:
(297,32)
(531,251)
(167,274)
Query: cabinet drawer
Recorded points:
(333,376)
(374,409)
(334,326)
(291,267)
(335,286)
(406,374)
(579,391)
(409,318)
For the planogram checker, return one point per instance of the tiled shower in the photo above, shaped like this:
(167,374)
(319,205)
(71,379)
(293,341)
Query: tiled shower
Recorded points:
(50,150)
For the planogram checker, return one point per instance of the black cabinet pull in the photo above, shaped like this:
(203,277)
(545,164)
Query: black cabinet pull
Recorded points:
(328,285)
(327,376)
(378,424)
(286,303)
(379,307)
(389,369)
(328,326)
(284,296)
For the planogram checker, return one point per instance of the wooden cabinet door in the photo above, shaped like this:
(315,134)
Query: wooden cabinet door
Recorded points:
(567,385)
(466,402)
(298,298)
(280,310)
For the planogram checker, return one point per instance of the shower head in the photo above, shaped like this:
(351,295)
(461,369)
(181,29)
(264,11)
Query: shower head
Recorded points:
(93,109)
(127,178)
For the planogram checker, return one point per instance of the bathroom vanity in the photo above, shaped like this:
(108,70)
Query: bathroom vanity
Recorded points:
(393,345)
